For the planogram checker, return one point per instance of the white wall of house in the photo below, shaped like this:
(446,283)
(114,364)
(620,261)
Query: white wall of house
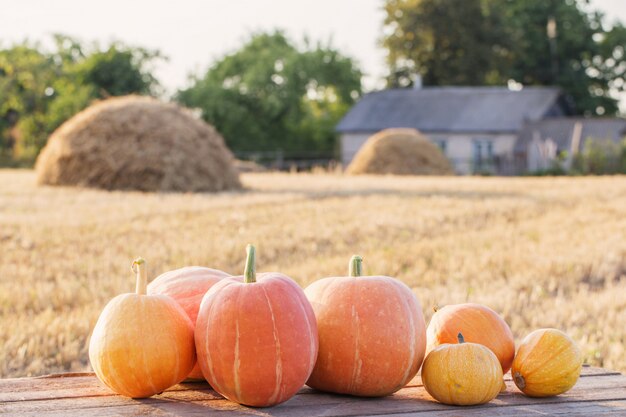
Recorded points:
(458,147)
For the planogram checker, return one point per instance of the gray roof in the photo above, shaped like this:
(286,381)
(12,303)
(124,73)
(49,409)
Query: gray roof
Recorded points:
(452,109)
(561,129)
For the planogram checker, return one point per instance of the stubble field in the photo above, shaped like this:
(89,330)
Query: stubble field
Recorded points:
(544,252)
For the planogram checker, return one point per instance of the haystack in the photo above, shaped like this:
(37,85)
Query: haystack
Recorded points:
(137,143)
(400,152)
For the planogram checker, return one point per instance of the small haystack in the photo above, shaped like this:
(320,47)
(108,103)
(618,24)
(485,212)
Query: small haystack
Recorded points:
(137,143)
(400,152)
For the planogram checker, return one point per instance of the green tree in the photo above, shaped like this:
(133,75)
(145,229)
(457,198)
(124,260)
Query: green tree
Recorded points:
(42,89)
(119,70)
(26,79)
(487,42)
(447,42)
(270,95)
(568,58)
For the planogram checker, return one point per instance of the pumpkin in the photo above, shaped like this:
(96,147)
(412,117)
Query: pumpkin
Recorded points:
(547,363)
(371,330)
(142,344)
(256,340)
(187,286)
(462,374)
(479,324)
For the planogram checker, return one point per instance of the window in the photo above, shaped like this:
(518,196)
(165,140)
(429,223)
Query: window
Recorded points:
(442,143)
(482,154)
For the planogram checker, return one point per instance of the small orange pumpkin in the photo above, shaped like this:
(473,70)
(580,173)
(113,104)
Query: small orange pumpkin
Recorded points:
(462,374)
(548,362)
(479,324)
(142,344)
(371,330)
(187,286)
(256,340)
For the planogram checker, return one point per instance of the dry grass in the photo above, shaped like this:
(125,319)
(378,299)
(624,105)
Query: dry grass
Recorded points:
(544,252)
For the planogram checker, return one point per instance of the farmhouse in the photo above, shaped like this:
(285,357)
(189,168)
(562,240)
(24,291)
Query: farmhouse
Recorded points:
(476,127)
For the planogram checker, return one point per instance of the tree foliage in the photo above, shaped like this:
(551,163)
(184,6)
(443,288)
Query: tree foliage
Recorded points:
(270,95)
(41,89)
(447,42)
(488,42)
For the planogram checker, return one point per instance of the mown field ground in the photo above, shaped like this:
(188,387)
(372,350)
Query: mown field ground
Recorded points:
(544,252)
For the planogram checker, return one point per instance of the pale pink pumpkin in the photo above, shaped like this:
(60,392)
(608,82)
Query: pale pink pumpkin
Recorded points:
(372,334)
(187,286)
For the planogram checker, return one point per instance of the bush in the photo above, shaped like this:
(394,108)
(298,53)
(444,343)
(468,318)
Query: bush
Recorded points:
(600,157)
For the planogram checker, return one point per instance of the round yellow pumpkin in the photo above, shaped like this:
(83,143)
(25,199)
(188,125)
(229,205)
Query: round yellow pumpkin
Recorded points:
(479,324)
(462,374)
(142,344)
(547,363)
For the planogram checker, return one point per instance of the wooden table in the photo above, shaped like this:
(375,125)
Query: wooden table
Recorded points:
(598,392)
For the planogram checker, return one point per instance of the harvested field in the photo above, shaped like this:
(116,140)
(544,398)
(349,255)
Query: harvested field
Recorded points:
(545,252)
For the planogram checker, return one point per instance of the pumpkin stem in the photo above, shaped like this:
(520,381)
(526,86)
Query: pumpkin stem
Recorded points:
(139,268)
(249,274)
(519,380)
(460,337)
(355,268)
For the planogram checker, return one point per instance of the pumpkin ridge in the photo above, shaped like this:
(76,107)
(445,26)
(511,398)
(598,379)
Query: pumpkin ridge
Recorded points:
(176,351)
(546,359)
(131,364)
(451,381)
(237,361)
(209,359)
(144,313)
(279,358)
(356,370)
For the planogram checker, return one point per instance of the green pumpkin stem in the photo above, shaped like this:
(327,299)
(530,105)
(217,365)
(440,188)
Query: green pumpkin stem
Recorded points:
(355,268)
(139,268)
(249,274)
(460,337)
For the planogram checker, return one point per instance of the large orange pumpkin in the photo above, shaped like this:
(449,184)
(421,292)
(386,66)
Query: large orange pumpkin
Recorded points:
(187,286)
(547,363)
(479,324)
(256,340)
(462,374)
(142,344)
(372,333)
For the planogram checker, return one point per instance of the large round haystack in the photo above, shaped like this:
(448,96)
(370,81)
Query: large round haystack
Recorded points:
(400,152)
(137,143)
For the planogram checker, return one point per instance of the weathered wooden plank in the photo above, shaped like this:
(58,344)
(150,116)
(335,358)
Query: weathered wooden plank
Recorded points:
(574,409)
(583,408)
(35,389)
(408,400)
(85,384)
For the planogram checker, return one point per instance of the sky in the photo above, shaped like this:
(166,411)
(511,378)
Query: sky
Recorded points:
(195,33)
